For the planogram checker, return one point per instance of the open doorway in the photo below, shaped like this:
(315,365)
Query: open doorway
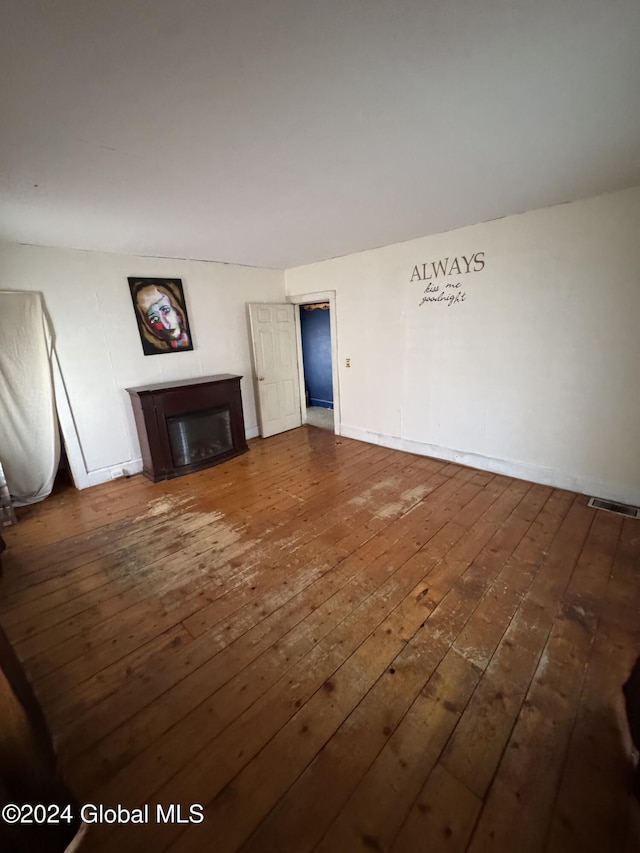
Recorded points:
(316,330)
(315,335)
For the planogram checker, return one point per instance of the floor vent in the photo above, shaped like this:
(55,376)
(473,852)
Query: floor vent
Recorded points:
(612,506)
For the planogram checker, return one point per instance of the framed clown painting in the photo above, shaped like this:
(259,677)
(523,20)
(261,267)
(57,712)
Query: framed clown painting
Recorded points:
(161,313)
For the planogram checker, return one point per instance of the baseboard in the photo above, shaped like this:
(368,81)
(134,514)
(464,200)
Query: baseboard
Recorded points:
(127,469)
(623,493)
(113,472)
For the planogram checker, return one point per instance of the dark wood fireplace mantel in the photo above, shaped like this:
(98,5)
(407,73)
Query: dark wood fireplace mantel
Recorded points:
(188,425)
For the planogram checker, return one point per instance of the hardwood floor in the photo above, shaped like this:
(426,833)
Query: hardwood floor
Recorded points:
(335,646)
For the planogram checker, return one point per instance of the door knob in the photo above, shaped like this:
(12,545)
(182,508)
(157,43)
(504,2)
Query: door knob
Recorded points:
(260,378)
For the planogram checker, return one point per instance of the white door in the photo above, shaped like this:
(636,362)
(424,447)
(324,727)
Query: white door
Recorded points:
(275,358)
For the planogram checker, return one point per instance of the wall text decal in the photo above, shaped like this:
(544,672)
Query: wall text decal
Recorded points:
(437,274)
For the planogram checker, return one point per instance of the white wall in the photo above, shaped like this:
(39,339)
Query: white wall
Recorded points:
(535,374)
(98,345)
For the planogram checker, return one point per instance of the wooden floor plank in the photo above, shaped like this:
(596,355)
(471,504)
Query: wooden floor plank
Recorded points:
(124,602)
(335,646)
(442,818)
(528,774)
(589,813)
(301,816)
(223,574)
(297,595)
(162,511)
(395,778)
(240,503)
(380,590)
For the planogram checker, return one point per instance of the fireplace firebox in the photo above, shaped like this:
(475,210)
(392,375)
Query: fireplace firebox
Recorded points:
(189,425)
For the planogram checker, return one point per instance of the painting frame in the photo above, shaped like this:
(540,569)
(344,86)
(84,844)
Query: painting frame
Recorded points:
(161,314)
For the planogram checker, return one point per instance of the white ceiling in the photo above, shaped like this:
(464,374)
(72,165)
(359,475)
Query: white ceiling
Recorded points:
(280,132)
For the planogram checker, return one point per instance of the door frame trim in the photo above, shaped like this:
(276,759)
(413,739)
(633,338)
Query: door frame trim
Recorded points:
(304,299)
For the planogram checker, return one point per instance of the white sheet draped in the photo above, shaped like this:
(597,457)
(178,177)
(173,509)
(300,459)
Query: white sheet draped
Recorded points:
(29,437)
